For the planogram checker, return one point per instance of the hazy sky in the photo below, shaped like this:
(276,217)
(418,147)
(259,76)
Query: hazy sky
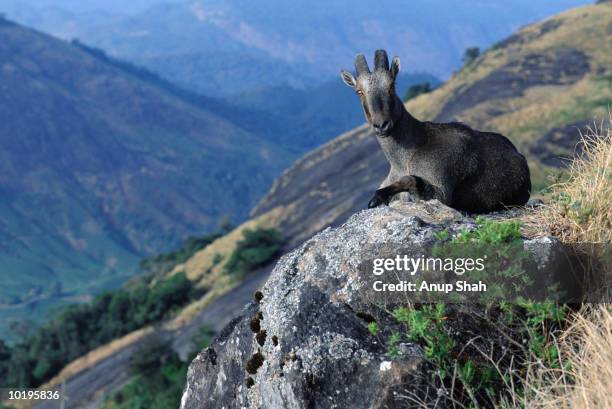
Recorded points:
(113,6)
(133,6)
(283,29)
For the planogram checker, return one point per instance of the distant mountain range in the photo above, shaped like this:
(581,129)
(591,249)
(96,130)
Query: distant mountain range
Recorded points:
(310,117)
(102,162)
(225,47)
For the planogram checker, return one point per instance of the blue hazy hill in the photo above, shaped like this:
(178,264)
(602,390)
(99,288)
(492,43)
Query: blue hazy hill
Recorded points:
(224,47)
(102,162)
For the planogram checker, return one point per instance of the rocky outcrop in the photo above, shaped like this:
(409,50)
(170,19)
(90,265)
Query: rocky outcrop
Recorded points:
(304,340)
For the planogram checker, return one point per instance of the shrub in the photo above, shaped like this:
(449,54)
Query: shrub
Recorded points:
(149,357)
(466,369)
(491,232)
(256,249)
(498,242)
(426,326)
(470,55)
(373,328)
(416,90)
(160,388)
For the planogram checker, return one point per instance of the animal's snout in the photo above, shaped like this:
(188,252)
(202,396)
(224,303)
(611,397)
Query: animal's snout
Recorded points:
(383,128)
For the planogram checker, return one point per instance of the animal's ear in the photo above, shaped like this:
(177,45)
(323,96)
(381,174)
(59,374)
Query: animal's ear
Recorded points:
(348,78)
(395,66)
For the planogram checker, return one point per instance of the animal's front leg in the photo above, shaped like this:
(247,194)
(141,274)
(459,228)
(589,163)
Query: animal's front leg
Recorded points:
(385,194)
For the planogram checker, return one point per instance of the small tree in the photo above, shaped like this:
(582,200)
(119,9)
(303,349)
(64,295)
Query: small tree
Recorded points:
(470,55)
(257,248)
(416,90)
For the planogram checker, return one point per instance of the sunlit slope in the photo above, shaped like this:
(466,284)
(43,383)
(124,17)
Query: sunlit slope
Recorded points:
(538,86)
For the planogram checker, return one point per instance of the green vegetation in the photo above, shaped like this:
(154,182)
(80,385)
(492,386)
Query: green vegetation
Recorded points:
(373,328)
(441,235)
(158,377)
(77,329)
(538,315)
(426,326)
(159,388)
(162,263)
(498,245)
(255,250)
(471,370)
(491,232)
(81,328)
(416,90)
(470,55)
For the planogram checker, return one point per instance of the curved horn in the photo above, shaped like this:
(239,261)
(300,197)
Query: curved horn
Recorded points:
(361,65)
(381,60)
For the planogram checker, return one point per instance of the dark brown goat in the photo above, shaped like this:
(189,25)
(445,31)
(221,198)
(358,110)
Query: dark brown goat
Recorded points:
(469,170)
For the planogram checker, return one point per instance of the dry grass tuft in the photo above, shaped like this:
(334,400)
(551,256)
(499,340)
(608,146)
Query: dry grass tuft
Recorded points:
(585,382)
(581,211)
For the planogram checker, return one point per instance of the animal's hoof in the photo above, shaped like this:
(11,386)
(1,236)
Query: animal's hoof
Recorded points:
(375,202)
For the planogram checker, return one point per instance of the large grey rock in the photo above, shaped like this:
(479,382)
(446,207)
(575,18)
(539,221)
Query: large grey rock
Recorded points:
(305,344)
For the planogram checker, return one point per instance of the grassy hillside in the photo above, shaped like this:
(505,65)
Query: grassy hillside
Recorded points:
(539,86)
(101,163)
